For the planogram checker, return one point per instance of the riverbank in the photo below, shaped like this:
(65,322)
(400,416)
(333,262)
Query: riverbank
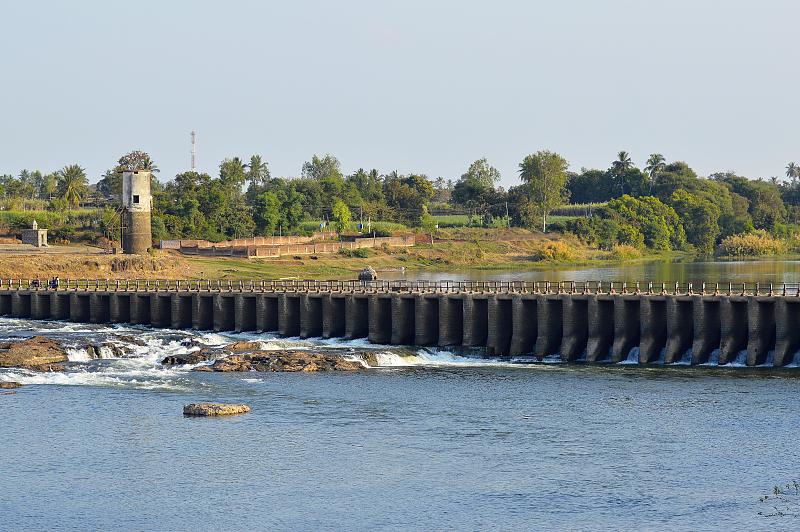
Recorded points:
(456,251)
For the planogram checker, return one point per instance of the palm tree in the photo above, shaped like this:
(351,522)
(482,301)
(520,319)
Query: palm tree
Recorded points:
(258,172)
(148,164)
(72,184)
(623,162)
(792,171)
(655,164)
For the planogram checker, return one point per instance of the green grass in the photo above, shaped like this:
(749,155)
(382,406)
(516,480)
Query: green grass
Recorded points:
(462,220)
(560,218)
(312,226)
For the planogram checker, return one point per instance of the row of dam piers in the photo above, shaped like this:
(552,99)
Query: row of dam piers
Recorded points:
(645,328)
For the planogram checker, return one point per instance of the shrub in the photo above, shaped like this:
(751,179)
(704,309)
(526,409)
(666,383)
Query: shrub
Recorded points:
(752,245)
(657,222)
(582,228)
(554,251)
(358,253)
(624,252)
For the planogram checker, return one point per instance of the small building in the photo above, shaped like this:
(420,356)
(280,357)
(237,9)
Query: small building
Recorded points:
(34,236)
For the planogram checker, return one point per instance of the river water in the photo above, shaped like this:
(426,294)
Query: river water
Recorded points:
(427,440)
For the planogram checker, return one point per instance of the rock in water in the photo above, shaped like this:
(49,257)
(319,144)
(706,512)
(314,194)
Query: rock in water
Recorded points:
(284,361)
(214,409)
(194,357)
(9,385)
(37,353)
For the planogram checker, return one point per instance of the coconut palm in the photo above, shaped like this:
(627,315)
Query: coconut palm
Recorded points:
(623,162)
(792,171)
(72,184)
(148,164)
(257,170)
(655,164)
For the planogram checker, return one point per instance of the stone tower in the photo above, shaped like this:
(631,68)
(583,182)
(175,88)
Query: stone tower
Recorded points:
(137,236)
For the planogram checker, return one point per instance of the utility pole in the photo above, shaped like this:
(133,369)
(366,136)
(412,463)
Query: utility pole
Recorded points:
(194,151)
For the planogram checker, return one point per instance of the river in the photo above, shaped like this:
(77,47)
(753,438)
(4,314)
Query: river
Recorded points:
(687,270)
(426,440)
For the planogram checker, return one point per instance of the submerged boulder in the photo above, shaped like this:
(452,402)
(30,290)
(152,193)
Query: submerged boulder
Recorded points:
(37,353)
(214,409)
(9,385)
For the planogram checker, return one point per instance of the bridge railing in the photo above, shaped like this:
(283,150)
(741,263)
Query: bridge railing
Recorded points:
(403,286)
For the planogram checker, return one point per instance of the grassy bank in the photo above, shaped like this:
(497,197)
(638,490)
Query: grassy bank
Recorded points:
(455,249)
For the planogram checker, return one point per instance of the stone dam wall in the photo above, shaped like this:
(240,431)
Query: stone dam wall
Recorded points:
(590,327)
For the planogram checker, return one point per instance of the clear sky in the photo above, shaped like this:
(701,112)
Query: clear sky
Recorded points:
(416,86)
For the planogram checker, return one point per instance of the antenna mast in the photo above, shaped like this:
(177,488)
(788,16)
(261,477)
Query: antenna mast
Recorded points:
(194,150)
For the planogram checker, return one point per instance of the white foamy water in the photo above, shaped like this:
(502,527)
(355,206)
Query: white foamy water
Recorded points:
(140,367)
(432,357)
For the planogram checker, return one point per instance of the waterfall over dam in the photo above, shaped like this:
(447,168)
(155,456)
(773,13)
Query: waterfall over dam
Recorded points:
(591,322)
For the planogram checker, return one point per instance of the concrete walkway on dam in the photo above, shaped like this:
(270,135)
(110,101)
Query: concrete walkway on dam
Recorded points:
(591,322)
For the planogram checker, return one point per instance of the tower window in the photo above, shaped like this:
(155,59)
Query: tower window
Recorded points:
(136,198)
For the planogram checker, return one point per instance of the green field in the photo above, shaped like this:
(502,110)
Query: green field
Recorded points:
(462,220)
(313,226)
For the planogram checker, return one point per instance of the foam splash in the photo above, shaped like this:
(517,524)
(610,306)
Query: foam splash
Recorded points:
(432,357)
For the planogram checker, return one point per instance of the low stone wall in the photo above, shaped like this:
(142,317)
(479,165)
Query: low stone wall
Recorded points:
(269,251)
(242,242)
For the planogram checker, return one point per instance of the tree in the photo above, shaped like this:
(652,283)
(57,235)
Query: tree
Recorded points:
(49,185)
(475,188)
(408,195)
(267,213)
(545,174)
(699,217)
(341,216)
(792,171)
(590,186)
(623,163)
(72,185)
(766,206)
(232,174)
(428,223)
(136,160)
(323,167)
(655,164)
(257,171)
(659,223)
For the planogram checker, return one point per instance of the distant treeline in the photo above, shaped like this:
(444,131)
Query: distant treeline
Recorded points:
(661,206)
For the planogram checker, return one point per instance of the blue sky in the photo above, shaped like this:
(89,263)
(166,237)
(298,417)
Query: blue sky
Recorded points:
(416,86)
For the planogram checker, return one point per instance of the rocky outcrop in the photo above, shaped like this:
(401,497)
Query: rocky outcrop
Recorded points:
(37,353)
(194,357)
(9,385)
(214,409)
(210,353)
(292,361)
(242,347)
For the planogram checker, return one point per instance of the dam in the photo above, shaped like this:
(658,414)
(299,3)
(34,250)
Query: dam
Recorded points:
(646,323)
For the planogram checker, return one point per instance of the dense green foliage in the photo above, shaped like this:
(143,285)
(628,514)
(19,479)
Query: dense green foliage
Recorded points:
(663,206)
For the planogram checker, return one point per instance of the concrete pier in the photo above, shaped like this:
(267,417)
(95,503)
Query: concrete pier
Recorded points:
(696,328)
